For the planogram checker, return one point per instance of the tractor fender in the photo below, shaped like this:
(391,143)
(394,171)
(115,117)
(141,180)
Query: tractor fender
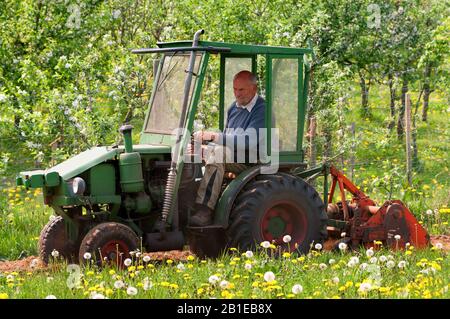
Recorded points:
(230,193)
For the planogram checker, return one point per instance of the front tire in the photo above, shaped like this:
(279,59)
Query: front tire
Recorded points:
(54,237)
(273,206)
(109,243)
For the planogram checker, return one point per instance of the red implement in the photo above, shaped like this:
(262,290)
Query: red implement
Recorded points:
(365,222)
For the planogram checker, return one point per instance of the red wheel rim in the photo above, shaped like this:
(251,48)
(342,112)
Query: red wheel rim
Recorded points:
(115,252)
(284,218)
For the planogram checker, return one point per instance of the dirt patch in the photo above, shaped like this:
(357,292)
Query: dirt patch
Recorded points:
(442,239)
(33,263)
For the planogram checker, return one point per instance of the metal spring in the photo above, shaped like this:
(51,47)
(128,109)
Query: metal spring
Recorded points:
(168,195)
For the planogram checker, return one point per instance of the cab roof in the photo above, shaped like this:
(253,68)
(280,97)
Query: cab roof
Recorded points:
(239,48)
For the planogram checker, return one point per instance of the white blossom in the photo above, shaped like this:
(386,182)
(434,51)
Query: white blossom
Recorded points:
(146,258)
(213,279)
(287,238)
(127,262)
(224,284)
(119,284)
(342,246)
(265,244)
(249,254)
(269,276)
(87,256)
(132,291)
(318,246)
(297,289)
(50,297)
(369,252)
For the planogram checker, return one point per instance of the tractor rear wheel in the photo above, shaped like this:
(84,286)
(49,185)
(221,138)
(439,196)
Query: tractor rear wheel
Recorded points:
(273,206)
(109,243)
(54,237)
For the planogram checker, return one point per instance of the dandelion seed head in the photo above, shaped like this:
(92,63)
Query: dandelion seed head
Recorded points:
(297,289)
(287,238)
(269,276)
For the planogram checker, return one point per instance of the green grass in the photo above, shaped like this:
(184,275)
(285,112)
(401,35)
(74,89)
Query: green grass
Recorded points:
(425,274)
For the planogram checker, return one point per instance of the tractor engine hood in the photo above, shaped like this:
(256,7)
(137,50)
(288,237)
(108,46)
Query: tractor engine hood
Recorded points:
(79,164)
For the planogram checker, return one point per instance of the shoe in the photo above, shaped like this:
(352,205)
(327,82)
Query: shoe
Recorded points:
(203,216)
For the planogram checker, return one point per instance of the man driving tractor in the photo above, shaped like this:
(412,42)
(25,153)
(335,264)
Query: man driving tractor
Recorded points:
(245,113)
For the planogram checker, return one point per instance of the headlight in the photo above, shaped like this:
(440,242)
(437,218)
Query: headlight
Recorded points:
(78,186)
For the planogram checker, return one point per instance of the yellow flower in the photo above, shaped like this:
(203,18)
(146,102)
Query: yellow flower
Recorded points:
(183,295)
(200,291)
(112,272)
(169,261)
(286,255)
(3,295)
(190,258)
(109,292)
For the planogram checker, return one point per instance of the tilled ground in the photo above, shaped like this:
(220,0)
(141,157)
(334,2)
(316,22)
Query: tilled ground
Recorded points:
(33,263)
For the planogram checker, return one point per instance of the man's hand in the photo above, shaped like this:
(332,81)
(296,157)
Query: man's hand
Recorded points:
(205,136)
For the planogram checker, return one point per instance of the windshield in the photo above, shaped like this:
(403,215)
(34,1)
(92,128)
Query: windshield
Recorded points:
(166,106)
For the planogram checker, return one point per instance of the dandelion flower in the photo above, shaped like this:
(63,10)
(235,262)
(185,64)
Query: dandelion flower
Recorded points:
(397,237)
(369,252)
(343,234)
(34,263)
(248,266)
(132,291)
(318,246)
(429,212)
(146,258)
(373,260)
(50,297)
(119,284)
(439,246)
(335,280)
(87,256)
(287,238)
(181,266)
(265,244)
(332,261)
(96,295)
(213,279)
(342,246)
(249,254)
(323,266)
(269,276)
(55,253)
(402,264)
(127,262)
(224,284)
(365,287)
(354,260)
(383,258)
(390,264)
(363,266)
(147,284)
(297,289)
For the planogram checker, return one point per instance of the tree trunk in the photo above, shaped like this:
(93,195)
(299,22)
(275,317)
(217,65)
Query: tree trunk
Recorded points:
(364,94)
(401,113)
(426,92)
(393,96)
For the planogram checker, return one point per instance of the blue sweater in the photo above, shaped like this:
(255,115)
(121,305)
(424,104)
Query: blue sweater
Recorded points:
(240,118)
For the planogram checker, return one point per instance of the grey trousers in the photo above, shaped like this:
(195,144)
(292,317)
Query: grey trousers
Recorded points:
(211,183)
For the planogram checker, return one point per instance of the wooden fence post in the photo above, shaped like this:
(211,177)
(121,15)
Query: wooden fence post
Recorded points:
(408,139)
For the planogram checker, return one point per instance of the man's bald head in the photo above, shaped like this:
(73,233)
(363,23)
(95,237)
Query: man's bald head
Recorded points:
(244,86)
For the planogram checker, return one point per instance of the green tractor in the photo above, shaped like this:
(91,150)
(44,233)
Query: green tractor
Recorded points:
(112,200)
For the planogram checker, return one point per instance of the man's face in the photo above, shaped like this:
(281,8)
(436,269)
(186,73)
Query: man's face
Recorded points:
(244,90)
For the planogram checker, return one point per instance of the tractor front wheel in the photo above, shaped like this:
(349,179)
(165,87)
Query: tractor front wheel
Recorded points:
(108,243)
(54,239)
(273,206)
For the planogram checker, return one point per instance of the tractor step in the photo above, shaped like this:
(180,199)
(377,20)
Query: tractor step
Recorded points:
(209,241)
(164,241)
